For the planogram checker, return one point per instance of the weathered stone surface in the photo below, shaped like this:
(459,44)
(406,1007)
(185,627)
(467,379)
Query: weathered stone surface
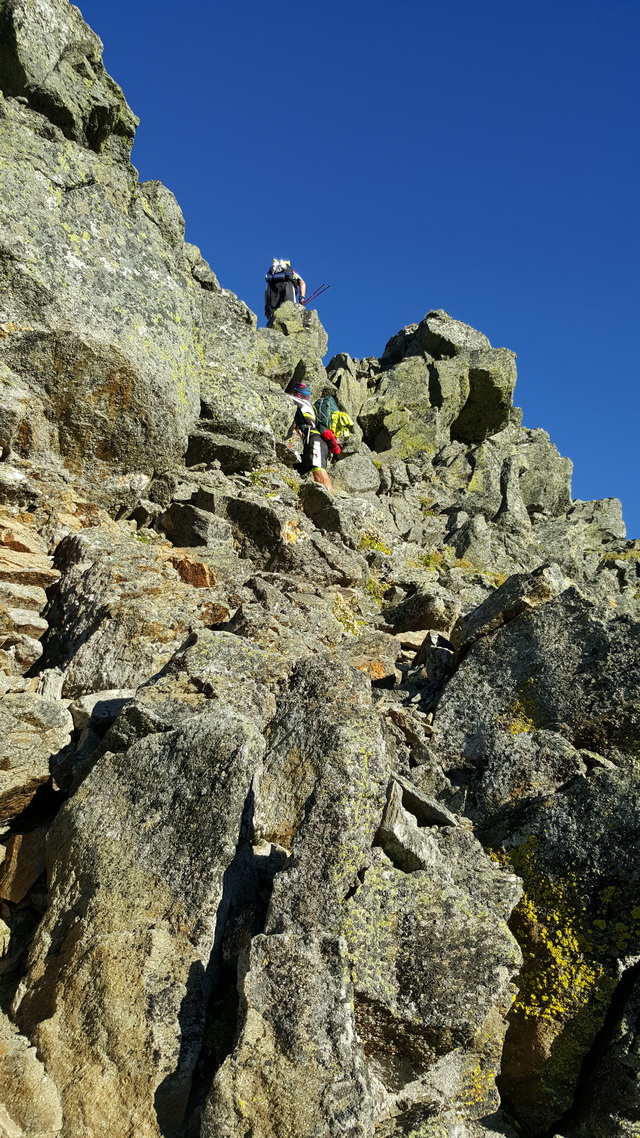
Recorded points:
(374,653)
(100,708)
(607,1103)
(438,335)
(23,863)
(355,473)
(441,380)
(400,415)
(232,454)
(545,477)
(270,909)
(126,609)
(50,57)
(129,394)
(32,730)
(579,935)
(300,1069)
(413,1008)
(29,1102)
(148,838)
(303,1059)
(33,570)
(14,534)
(559,668)
(297,323)
(430,607)
(361,523)
(186,525)
(492,379)
(518,595)
(512,726)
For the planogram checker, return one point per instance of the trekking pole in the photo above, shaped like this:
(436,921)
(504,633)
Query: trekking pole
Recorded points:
(318,292)
(314,295)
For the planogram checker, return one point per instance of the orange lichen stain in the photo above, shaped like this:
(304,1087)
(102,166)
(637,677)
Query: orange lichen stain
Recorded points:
(373,668)
(8,327)
(194,573)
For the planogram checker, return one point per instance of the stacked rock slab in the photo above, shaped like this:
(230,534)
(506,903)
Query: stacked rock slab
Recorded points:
(318,813)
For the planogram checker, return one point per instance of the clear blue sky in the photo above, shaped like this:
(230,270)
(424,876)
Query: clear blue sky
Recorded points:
(480,156)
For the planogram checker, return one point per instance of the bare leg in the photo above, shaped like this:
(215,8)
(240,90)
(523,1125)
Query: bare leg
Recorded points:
(321,476)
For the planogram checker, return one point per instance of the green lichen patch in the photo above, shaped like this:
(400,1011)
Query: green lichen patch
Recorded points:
(562,972)
(433,560)
(525,714)
(376,589)
(568,972)
(345,613)
(369,540)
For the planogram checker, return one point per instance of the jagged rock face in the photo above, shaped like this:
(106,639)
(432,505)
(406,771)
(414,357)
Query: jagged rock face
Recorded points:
(112,327)
(53,60)
(318,812)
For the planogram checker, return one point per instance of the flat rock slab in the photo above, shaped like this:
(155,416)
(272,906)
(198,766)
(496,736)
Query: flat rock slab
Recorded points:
(26,568)
(100,708)
(14,534)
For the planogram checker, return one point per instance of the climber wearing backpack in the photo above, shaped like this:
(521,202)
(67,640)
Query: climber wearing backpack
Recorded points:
(329,415)
(318,441)
(283,284)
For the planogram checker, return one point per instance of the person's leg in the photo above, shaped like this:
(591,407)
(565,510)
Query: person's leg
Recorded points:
(320,459)
(321,476)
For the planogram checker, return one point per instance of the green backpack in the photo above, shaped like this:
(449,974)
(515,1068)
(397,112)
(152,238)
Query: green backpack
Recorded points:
(330,417)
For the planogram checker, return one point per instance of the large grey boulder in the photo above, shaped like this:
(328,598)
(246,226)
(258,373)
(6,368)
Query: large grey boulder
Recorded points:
(120,965)
(300,1069)
(297,1066)
(519,594)
(441,381)
(538,732)
(110,363)
(545,477)
(438,335)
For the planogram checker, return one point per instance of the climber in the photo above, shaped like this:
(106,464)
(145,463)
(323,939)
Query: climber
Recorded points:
(283,283)
(317,442)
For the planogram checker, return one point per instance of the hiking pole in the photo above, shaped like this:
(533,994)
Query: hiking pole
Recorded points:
(314,295)
(318,292)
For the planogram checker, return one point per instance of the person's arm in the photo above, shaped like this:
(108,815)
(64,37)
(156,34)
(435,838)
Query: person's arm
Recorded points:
(306,418)
(302,288)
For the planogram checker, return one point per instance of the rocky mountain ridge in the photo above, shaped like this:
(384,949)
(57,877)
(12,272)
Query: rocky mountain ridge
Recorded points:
(319,812)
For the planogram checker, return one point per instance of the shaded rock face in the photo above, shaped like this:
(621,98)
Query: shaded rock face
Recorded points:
(318,812)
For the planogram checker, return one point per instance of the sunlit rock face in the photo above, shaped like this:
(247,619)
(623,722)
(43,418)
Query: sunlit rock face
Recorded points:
(318,811)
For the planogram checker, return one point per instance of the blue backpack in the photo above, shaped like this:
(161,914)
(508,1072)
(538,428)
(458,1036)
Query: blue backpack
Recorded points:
(281,275)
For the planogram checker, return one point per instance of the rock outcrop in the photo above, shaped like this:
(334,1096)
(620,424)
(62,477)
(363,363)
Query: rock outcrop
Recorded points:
(318,812)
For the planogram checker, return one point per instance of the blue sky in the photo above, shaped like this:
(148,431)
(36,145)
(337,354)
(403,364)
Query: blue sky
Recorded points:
(480,156)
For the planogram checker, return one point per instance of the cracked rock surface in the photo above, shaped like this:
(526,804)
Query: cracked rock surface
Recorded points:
(318,812)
